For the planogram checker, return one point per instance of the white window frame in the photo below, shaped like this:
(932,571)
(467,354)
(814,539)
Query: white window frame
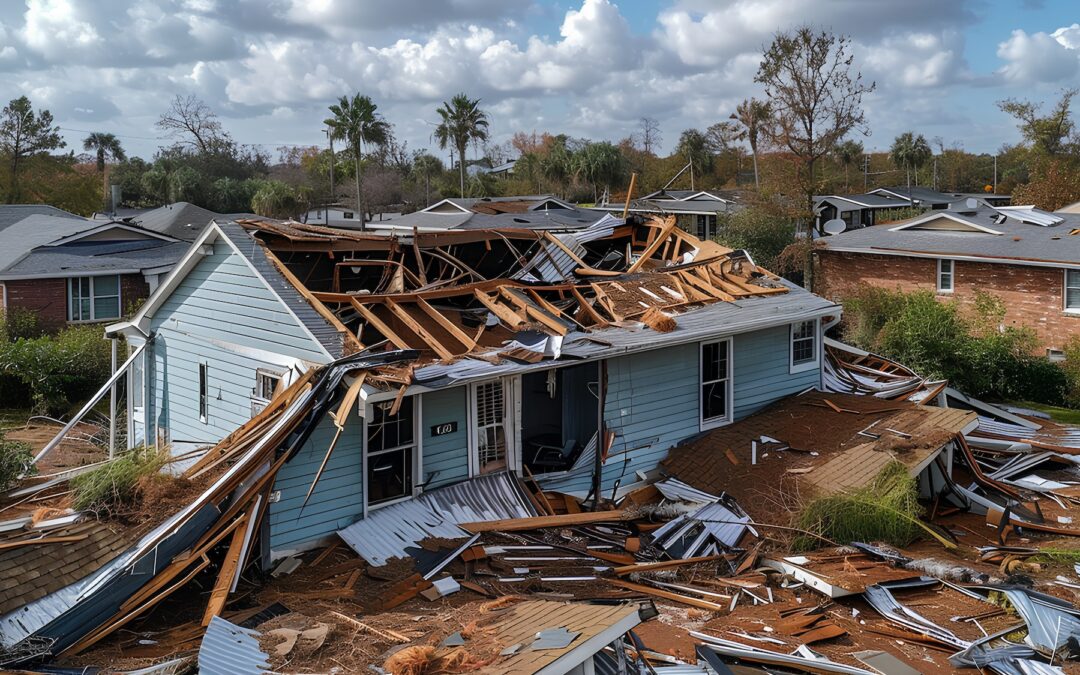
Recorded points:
(417,459)
(941,274)
(94,318)
(1065,290)
(511,423)
(728,415)
(258,401)
(804,365)
(204,392)
(1055,355)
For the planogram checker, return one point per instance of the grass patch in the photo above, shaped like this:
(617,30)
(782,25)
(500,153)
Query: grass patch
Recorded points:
(115,485)
(1056,413)
(887,510)
(1067,556)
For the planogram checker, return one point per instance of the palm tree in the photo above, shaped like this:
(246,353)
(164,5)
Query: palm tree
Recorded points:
(847,153)
(756,119)
(356,122)
(463,122)
(426,164)
(599,164)
(910,152)
(104,145)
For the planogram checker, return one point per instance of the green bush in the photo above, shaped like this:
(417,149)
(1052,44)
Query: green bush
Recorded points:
(968,346)
(15,460)
(19,322)
(58,371)
(764,234)
(112,486)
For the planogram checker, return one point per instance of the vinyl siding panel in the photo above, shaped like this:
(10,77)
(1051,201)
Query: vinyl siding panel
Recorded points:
(224,300)
(448,455)
(338,499)
(761,365)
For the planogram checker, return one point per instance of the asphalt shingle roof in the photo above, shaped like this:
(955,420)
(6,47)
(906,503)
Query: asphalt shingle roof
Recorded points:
(99,256)
(18,239)
(1018,240)
(13,213)
(182,220)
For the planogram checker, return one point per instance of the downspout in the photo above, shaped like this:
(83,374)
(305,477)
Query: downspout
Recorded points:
(112,399)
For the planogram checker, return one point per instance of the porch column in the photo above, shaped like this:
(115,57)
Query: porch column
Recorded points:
(112,399)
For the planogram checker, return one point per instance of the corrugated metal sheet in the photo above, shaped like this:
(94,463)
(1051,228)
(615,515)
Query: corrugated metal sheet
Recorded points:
(390,531)
(676,490)
(553,264)
(712,528)
(709,321)
(228,649)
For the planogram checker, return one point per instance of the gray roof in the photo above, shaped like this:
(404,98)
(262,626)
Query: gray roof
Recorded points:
(182,220)
(98,256)
(1017,240)
(13,213)
(674,206)
(921,195)
(713,320)
(327,335)
(541,219)
(18,239)
(861,201)
(685,195)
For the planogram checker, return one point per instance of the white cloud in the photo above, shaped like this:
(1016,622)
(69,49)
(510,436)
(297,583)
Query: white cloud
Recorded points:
(916,59)
(1038,57)
(58,28)
(1068,36)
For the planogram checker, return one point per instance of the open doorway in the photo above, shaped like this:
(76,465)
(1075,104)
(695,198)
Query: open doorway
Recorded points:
(559,411)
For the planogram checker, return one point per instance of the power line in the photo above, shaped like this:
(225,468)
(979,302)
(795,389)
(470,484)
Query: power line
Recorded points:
(140,138)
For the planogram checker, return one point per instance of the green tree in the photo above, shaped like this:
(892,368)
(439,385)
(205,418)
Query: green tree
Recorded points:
(557,162)
(910,152)
(357,121)
(599,164)
(1049,134)
(816,96)
(848,153)
(278,200)
(694,147)
(463,122)
(104,146)
(425,165)
(25,133)
(755,118)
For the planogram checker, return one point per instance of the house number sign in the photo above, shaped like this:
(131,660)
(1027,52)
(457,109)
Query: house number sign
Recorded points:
(444,429)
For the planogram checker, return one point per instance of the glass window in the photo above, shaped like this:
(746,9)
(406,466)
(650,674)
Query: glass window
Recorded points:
(715,381)
(204,392)
(93,298)
(945,276)
(490,426)
(390,451)
(803,342)
(1072,289)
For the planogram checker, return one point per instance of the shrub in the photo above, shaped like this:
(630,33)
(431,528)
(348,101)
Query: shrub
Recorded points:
(19,322)
(16,459)
(887,510)
(969,346)
(113,486)
(58,370)
(763,233)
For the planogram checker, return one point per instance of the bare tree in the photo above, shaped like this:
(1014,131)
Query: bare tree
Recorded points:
(192,123)
(1047,134)
(816,96)
(649,135)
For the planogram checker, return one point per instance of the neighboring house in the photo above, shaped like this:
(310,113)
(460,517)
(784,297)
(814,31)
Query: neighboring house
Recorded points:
(856,211)
(540,212)
(334,216)
(501,356)
(1071,208)
(695,211)
(181,220)
(70,271)
(1027,257)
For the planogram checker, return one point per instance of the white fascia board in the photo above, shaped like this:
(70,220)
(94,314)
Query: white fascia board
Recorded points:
(445,201)
(956,256)
(180,270)
(75,274)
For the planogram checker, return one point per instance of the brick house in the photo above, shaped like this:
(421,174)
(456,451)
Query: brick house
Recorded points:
(74,271)
(1028,258)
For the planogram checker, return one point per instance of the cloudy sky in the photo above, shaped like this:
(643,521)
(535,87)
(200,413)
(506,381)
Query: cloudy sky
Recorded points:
(584,67)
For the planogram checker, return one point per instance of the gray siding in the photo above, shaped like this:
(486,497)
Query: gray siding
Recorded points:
(448,455)
(220,299)
(338,499)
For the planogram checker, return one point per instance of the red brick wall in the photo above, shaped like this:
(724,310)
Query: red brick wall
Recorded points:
(48,297)
(1033,296)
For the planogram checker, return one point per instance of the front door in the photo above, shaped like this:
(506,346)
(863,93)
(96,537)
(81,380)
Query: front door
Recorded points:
(493,439)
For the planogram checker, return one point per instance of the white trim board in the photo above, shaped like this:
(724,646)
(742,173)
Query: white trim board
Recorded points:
(954,256)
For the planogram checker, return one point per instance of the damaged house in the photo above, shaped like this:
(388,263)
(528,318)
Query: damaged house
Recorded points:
(518,337)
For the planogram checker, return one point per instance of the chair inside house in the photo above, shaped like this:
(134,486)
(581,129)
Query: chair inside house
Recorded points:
(558,416)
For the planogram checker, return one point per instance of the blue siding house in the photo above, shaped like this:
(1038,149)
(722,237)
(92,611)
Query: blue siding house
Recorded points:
(541,369)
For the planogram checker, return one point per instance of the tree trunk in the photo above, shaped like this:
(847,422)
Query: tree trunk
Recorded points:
(461,168)
(359,196)
(757,181)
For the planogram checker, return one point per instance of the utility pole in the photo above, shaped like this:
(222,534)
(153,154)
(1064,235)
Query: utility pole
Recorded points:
(995,174)
(330,135)
(866,172)
(935,172)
